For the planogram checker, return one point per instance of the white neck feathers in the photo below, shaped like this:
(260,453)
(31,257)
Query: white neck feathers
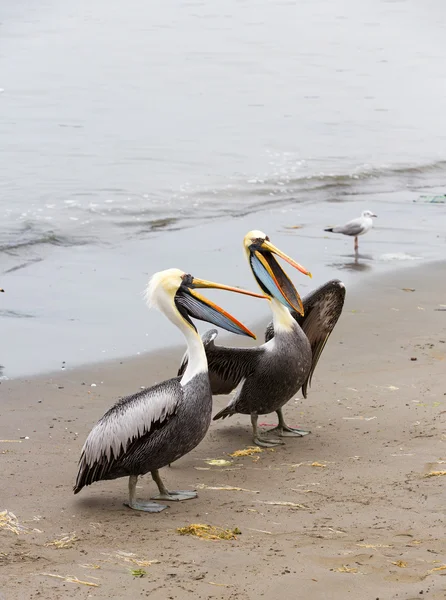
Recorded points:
(282,319)
(197,361)
(162,297)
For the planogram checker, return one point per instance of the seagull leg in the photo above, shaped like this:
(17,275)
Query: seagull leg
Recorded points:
(260,441)
(356,244)
(170,496)
(151,507)
(284,431)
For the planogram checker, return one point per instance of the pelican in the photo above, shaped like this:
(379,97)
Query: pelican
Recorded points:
(355,227)
(159,425)
(269,375)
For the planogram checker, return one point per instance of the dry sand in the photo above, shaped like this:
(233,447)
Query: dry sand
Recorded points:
(366,522)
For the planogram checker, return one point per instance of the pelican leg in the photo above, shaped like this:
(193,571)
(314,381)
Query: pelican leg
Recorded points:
(151,507)
(170,496)
(260,441)
(284,431)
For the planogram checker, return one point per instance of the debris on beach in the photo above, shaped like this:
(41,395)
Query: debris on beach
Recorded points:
(249,451)
(289,504)
(435,474)
(9,521)
(374,546)
(209,532)
(225,488)
(138,572)
(129,557)
(408,289)
(442,568)
(70,579)
(400,563)
(260,530)
(438,199)
(315,463)
(346,569)
(65,541)
(217,462)
(360,418)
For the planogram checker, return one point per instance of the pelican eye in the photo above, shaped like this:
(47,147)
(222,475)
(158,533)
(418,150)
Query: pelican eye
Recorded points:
(257,242)
(187,279)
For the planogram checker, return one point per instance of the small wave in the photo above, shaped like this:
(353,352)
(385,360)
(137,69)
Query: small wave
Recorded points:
(322,181)
(15,314)
(285,187)
(49,238)
(151,225)
(23,265)
(390,257)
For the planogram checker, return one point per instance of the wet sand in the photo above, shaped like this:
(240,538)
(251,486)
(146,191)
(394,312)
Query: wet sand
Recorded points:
(365,521)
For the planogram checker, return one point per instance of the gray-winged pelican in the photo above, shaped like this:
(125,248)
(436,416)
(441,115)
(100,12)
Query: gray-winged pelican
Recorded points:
(154,427)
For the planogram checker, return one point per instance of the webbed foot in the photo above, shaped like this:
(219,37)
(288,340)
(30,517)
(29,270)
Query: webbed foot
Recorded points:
(150,507)
(266,442)
(285,431)
(175,496)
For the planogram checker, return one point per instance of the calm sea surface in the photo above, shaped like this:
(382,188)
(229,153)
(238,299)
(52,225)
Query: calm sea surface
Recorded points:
(132,134)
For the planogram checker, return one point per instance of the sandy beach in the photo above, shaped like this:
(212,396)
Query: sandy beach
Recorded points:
(354,510)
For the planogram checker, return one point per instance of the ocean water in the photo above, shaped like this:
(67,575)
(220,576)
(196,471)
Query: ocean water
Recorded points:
(135,137)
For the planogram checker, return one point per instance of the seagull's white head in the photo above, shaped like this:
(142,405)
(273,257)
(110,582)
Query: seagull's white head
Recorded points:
(368,214)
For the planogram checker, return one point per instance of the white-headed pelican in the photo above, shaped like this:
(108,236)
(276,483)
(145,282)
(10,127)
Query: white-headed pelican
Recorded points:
(156,426)
(269,375)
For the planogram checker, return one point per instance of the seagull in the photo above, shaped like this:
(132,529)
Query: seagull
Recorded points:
(355,227)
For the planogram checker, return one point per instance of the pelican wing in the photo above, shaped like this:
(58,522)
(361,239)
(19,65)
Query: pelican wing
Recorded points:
(129,420)
(227,366)
(322,309)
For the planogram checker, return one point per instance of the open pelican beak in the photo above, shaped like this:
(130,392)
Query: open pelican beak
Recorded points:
(198,307)
(267,245)
(202,283)
(272,278)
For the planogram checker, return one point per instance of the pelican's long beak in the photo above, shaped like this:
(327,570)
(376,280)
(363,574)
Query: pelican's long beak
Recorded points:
(202,283)
(272,278)
(199,307)
(267,245)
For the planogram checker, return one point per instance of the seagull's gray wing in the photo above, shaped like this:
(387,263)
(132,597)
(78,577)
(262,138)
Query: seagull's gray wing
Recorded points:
(353,228)
(322,309)
(227,366)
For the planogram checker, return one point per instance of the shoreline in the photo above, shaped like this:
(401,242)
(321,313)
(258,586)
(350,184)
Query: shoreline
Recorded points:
(364,518)
(256,326)
(59,310)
